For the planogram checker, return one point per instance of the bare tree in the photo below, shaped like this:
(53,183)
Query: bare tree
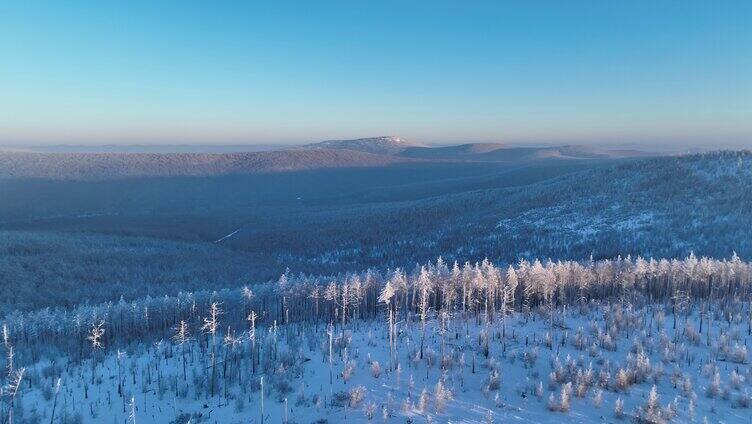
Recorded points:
(210,327)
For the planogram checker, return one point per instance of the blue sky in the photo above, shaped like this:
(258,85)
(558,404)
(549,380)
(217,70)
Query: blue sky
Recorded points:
(279,72)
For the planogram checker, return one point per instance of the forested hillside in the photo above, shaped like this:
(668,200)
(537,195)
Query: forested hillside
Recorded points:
(663,206)
(49,269)
(99,166)
(334,220)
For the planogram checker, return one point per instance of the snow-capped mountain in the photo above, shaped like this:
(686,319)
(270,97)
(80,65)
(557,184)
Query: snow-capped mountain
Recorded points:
(385,145)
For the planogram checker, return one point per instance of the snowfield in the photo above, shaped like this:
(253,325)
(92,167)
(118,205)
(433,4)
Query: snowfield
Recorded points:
(475,344)
(512,384)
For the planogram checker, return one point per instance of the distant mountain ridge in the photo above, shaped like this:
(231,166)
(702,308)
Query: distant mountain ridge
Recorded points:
(90,166)
(496,152)
(384,145)
(368,152)
(484,152)
(146,148)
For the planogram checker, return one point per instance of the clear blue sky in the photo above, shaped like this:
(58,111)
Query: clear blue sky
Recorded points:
(246,72)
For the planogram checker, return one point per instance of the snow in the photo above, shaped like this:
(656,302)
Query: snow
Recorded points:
(152,374)
(220,240)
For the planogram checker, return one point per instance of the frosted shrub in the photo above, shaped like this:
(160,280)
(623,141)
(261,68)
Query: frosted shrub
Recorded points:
(714,388)
(593,351)
(736,380)
(619,408)
(492,364)
(582,389)
(430,356)
(423,401)
(687,386)
(407,406)
(552,380)
(723,342)
(664,339)
(415,359)
(668,354)
(375,369)
(738,354)
(342,343)
(348,371)
(493,382)
(604,378)
(669,411)
(692,335)
(579,341)
(539,390)
(607,342)
(340,399)
(564,397)
(441,396)
(357,395)
(636,346)
(658,373)
(563,373)
(651,412)
(447,362)
(598,398)
(743,399)
(622,380)
(589,375)
(641,368)
(709,369)
(369,410)
(552,405)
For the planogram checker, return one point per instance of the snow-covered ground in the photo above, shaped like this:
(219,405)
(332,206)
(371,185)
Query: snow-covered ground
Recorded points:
(573,368)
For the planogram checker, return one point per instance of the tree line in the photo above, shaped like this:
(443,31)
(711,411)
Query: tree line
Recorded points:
(480,291)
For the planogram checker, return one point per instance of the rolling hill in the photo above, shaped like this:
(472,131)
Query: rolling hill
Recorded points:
(667,206)
(328,220)
(385,145)
(365,152)
(97,166)
(494,152)
(480,152)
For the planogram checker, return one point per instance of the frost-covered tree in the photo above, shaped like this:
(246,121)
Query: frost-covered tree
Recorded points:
(619,408)
(441,396)
(385,297)
(424,286)
(181,337)
(211,323)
